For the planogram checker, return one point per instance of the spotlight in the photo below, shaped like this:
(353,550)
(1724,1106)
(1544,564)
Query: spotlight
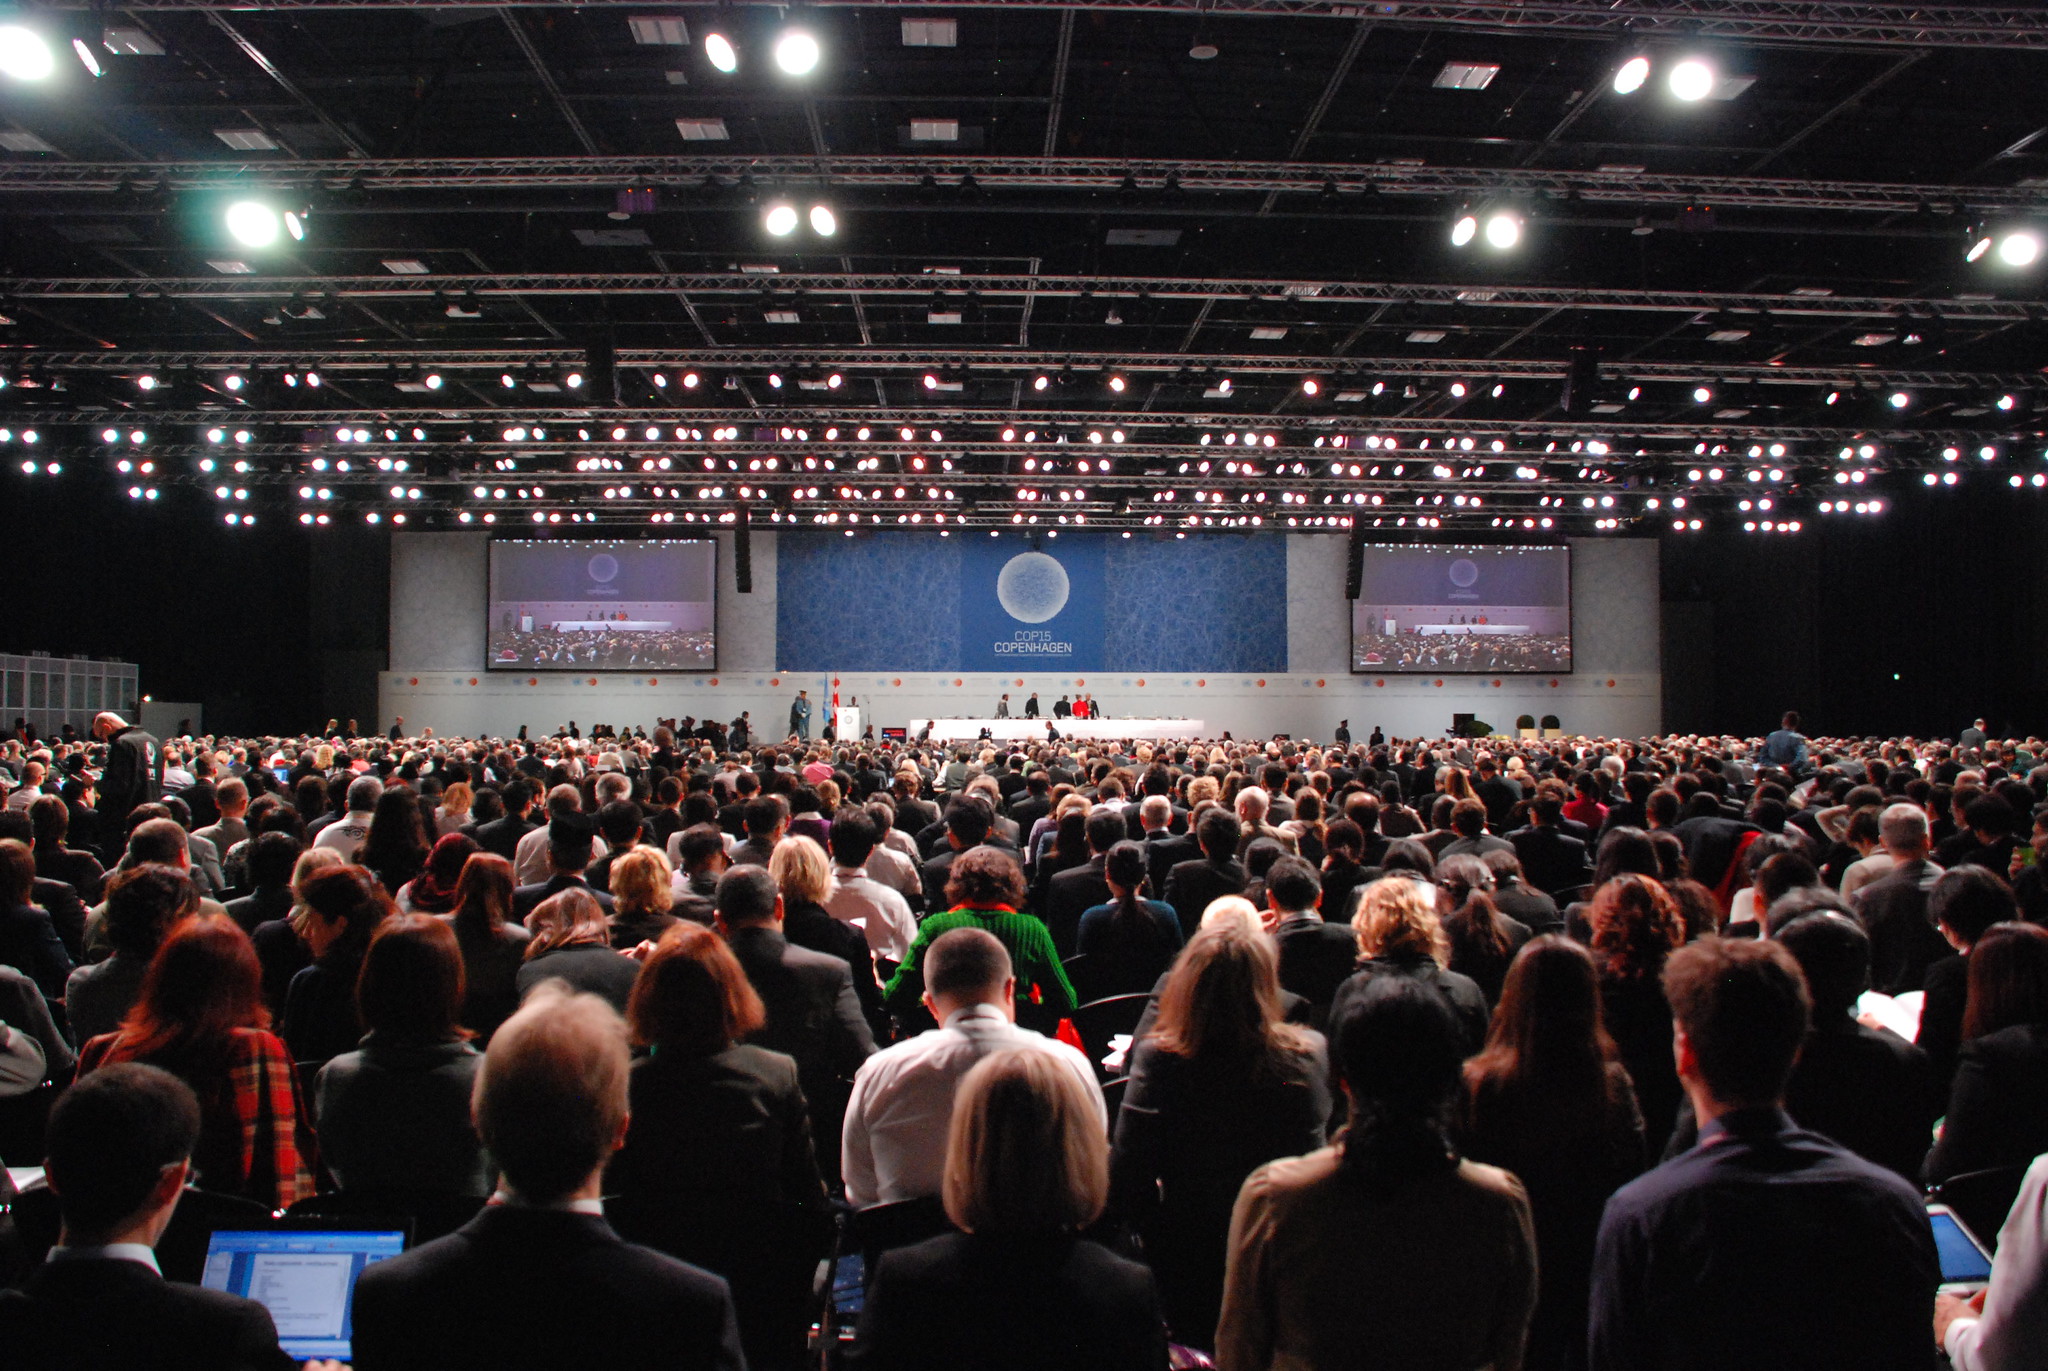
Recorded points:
(834,381)
(1311,386)
(574,380)
(1631,75)
(1692,80)
(796,52)
(2006,402)
(85,56)
(1503,230)
(691,380)
(508,380)
(24,55)
(823,222)
(718,50)
(252,223)
(233,381)
(931,380)
(1979,240)
(1040,382)
(1116,384)
(145,381)
(2020,249)
(432,380)
(780,220)
(1701,395)
(295,223)
(1464,230)
(775,380)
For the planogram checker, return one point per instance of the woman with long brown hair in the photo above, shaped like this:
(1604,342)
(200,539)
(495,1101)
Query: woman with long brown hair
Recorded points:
(201,1017)
(572,941)
(1482,939)
(344,905)
(1636,926)
(1220,1086)
(1549,1100)
(493,945)
(1998,1106)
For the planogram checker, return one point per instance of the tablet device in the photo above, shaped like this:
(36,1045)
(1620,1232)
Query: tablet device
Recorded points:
(305,1277)
(1965,1264)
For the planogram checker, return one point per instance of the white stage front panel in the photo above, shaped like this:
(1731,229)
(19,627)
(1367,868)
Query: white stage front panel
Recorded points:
(1033,730)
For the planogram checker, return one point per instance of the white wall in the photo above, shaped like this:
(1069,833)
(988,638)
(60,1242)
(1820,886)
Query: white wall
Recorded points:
(437,651)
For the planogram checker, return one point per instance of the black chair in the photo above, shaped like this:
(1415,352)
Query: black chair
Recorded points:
(180,1253)
(434,1214)
(1100,1020)
(1982,1199)
(23,1121)
(1113,1098)
(885,1227)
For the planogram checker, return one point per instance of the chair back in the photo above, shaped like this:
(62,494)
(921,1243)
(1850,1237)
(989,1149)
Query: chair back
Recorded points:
(1100,1020)
(1982,1199)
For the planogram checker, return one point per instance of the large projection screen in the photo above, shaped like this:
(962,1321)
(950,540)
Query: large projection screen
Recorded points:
(1442,608)
(629,605)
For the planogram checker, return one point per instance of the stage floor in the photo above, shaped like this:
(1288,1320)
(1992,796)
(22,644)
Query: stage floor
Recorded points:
(1034,730)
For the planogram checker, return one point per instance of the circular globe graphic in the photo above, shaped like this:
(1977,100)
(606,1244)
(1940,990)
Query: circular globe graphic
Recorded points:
(1032,587)
(603,567)
(1463,573)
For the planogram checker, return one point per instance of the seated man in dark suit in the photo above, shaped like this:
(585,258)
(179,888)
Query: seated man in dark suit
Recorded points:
(1893,908)
(969,818)
(814,1014)
(501,835)
(1964,904)
(1075,891)
(1191,885)
(569,843)
(120,1152)
(1315,957)
(1164,849)
(1551,859)
(539,1279)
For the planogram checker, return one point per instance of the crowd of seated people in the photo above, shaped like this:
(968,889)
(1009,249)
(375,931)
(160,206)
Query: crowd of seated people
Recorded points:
(604,649)
(1461,652)
(1433,1053)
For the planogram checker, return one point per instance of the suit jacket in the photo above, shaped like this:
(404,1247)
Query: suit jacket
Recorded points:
(1315,958)
(1163,852)
(1903,940)
(1190,886)
(528,898)
(29,943)
(935,873)
(1941,1017)
(1461,993)
(813,1015)
(543,1290)
(1069,895)
(501,835)
(112,1315)
(1551,860)
(1010,1304)
(1998,1107)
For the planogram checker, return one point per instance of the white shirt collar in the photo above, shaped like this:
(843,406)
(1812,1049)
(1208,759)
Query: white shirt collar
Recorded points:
(136,1252)
(850,873)
(594,1208)
(988,1012)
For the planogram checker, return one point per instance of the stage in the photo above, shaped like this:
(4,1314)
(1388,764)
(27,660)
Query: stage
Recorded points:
(1033,730)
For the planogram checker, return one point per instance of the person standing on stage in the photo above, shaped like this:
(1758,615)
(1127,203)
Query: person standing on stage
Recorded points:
(800,715)
(1343,733)
(1003,707)
(1061,709)
(1031,706)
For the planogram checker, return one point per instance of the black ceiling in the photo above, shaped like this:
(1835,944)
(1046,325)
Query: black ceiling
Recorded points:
(1764,269)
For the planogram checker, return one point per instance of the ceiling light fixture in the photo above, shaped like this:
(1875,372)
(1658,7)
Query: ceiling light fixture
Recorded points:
(252,223)
(719,51)
(1503,230)
(2020,249)
(796,52)
(85,56)
(24,55)
(780,220)
(1464,228)
(823,222)
(1691,80)
(1629,77)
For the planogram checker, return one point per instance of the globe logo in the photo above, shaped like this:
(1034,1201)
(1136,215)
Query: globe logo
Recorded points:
(603,567)
(1464,573)
(1032,587)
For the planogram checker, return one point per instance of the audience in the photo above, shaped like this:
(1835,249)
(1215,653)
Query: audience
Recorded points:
(28,938)
(1387,1247)
(493,945)
(143,903)
(393,1115)
(985,890)
(572,941)
(1635,928)
(1218,1087)
(1964,904)
(2003,1327)
(344,905)
(643,894)
(1127,943)
(1998,1106)
(539,1278)
(1017,1288)
(1765,1244)
(1482,939)
(200,1016)
(1400,938)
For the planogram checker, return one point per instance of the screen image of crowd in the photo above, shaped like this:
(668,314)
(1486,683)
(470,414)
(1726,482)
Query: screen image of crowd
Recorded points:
(1513,652)
(574,649)
(1306,1053)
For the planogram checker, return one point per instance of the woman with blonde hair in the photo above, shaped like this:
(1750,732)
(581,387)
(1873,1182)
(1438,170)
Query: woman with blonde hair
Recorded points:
(643,893)
(1219,1087)
(1399,934)
(803,873)
(1017,1287)
(572,941)
(453,812)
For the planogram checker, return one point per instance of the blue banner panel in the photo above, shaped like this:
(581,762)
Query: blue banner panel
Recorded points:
(1080,602)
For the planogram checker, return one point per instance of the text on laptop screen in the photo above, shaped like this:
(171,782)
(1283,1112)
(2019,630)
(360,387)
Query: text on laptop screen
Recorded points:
(305,1279)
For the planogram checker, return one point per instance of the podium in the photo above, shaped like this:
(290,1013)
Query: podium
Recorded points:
(846,723)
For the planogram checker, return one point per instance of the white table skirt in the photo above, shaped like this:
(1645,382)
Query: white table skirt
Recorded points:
(1028,730)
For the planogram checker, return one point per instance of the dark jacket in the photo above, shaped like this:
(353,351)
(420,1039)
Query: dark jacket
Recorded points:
(112,1315)
(1316,957)
(591,967)
(1163,852)
(394,1115)
(320,1020)
(1941,1017)
(1124,958)
(1903,940)
(545,1291)
(1191,886)
(1010,1304)
(1998,1106)
(133,775)
(490,967)
(501,835)
(1069,895)
(1551,860)
(815,1017)
(1459,992)
(29,943)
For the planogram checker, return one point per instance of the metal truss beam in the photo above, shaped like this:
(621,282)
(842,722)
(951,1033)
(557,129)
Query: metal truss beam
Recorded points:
(1862,22)
(1157,178)
(783,290)
(1004,361)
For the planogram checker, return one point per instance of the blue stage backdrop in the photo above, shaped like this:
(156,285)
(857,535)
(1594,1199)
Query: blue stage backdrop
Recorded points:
(1080,602)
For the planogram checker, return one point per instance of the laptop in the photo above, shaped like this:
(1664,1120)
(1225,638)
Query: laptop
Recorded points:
(305,1276)
(1965,1262)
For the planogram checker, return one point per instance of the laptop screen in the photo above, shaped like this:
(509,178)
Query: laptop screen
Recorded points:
(1962,1259)
(304,1277)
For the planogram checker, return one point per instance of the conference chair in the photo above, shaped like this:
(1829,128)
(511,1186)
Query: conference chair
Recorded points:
(180,1253)
(1100,1020)
(434,1214)
(1983,1199)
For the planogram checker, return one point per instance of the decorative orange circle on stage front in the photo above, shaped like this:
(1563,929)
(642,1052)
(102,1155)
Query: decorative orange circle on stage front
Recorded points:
(1610,685)
(1262,683)
(1201,683)
(1141,681)
(414,681)
(656,680)
(1020,681)
(1496,685)
(897,682)
(1553,685)
(1079,682)
(1379,683)
(956,680)
(835,682)
(593,680)
(1439,684)
(1319,685)
(775,680)
(531,680)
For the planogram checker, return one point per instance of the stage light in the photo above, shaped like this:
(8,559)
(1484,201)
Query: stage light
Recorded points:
(1040,382)
(1692,80)
(1116,384)
(432,380)
(252,223)
(24,55)
(574,380)
(834,381)
(780,220)
(1701,395)
(145,381)
(719,51)
(823,222)
(508,380)
(775,380)
(295,223)
(1629,77)
(1458,390)
(86,56)
(1898,399)
(1311,386)
(232,381)
(1464,230)
(2020,249)
(1503,230)
(796,52)
(2006,402)
(691,380)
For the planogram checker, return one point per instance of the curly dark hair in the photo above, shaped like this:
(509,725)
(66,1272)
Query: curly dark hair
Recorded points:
(1636,925)
(985,876)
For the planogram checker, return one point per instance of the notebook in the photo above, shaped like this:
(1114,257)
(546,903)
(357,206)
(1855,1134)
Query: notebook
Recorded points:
(305,1277)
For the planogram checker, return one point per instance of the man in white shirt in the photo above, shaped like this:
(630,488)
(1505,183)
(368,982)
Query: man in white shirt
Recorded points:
(530,858)
(894,1145)
(2005,1328)
(883,914)
(346,834)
